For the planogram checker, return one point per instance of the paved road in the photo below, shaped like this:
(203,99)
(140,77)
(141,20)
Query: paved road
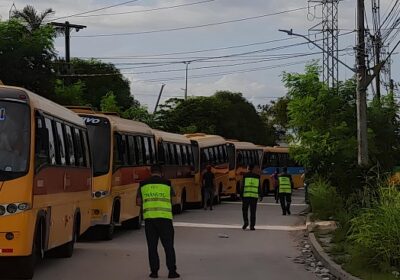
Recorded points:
(201,253)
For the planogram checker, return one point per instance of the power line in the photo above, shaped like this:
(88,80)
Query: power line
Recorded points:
(148,10)
(191,52)
(96,10)
(193,26)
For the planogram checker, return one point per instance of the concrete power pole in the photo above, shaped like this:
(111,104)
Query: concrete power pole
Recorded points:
(362,83)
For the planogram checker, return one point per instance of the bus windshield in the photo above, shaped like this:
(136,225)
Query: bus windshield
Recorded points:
(99,139)
(14,139)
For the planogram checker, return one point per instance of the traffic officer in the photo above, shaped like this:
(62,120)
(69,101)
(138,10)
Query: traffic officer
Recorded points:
(155,197)
(285,190)
(251,192)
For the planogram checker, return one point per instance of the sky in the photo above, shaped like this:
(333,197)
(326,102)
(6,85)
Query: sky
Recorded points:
(241,55)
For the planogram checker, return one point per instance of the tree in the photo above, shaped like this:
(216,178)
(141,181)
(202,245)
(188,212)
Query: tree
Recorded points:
(69,95)
(31,17)
(141,114)
(225,113)
(275,117)
(26,57)
(99,85)
(109,103)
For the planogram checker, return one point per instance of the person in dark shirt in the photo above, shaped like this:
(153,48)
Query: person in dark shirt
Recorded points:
(275,183)
(208,187)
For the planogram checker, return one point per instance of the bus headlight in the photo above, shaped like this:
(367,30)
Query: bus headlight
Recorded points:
(12,208)
(99,194)
(23,206)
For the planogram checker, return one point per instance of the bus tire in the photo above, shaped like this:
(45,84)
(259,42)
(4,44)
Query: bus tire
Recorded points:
(182,205)
(134,223)
(67,250)
(265,188)
(26,265)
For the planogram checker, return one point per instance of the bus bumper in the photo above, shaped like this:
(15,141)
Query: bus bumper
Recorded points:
(16,234)
(101,211)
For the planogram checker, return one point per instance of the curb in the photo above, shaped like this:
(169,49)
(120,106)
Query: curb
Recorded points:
(319,253)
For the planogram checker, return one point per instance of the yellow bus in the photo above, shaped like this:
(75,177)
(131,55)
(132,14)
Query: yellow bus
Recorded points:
(240,155)
(176,158)
(278,157)
(123,151)
(45,180)
(211,150)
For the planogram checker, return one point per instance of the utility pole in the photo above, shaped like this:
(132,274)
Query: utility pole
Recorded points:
(11,11)
(159,97)
(186,78)
(66,27)
(362,84)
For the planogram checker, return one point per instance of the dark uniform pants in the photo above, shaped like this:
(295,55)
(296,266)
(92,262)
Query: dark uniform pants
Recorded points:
(286,199)
(160,229)
(252,202)
(208,195)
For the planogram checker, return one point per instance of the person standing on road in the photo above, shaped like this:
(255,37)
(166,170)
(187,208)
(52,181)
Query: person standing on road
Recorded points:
(285,191)
(276,184)
(208,187)
(251,192)
(155,197)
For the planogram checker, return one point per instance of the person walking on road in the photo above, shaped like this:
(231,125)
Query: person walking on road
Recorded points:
(276,184)
(208,187)
(251,193)
(155,197)
(285,191)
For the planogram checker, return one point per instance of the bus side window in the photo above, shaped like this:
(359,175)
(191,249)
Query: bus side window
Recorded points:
(132,150)
(52,146)
(178,154)
(211,154)
(190,155)
(147,150)
(153,150)
(85,148)
(221,154)
(70,146)
(184,155)
(139,143)
(217,156)
(41,145)
(79,161)
(166,152)
(61,145)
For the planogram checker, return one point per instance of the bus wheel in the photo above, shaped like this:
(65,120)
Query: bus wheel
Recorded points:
(234,197)
(26,265)
(266,188)
(66,250)
(181,206)
(134,223)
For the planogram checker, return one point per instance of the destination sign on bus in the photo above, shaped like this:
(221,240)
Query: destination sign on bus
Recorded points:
(92,120)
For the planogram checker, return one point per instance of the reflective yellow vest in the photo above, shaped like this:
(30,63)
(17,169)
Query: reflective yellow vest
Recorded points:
(156,201)
(250,188)
(284,185)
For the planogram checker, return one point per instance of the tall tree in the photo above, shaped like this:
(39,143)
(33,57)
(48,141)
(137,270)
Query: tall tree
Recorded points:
(99,85)
(31,17)
(26,57)
(225,113)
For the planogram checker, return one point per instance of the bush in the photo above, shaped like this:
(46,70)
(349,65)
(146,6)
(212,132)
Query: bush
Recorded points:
(324,200)
(375,232)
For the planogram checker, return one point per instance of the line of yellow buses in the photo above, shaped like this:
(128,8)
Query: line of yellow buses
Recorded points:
(63,171)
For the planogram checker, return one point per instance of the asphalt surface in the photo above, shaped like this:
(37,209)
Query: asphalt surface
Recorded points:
(209,245)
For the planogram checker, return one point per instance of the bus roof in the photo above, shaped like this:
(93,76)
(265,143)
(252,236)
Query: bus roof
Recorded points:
(170,137)
(206,140)
(276,149)
(123,125)
(244,145)
(38,102)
